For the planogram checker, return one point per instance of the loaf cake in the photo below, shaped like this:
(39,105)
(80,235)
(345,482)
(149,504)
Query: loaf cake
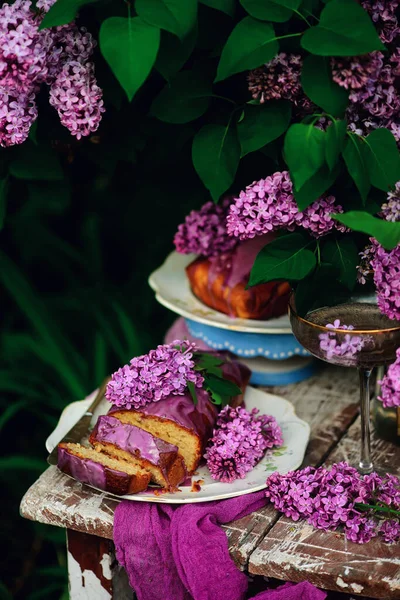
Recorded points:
(219,275)
(138,447)
(101,471)
(178,421)
(162,416)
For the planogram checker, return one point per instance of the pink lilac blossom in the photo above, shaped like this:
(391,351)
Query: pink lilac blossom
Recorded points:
(364,268)
(384,14)
(269,204)
(390,385)
(23,48)
(151,377)
(17,113)
(355,72)
(29,57)
(391,208)
(390,531)
(376,103)
(347,347)
(204,231)
(240,440)
(328,499)
(385,265)
(77,98)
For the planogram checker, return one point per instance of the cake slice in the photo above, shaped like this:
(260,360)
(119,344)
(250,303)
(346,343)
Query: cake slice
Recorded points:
(177,421)
(101,471)
(138,447)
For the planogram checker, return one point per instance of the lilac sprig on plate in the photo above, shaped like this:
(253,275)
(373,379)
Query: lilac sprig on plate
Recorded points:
(349,346)
(340,497)
(173,368)
(240,440)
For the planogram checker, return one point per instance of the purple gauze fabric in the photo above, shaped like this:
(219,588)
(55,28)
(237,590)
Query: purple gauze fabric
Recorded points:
(181,552)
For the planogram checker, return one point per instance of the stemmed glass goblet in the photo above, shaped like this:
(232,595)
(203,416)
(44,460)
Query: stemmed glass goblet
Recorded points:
(354,334)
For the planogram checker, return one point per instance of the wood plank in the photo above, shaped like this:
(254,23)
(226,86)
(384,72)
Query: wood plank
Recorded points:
(298,552)
(56,499)
(324,400)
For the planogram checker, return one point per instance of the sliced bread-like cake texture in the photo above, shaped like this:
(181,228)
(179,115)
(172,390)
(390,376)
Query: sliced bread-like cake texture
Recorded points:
(139,447)
(100,470)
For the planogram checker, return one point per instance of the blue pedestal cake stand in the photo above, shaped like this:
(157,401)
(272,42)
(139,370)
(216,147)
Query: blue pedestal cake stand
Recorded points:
(267,347)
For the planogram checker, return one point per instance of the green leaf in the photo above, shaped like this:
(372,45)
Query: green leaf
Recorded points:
(176,16)
(354,157)
(382,159)
(314,187)
(250,44)
(344,29)
(271,10)
(186,98)
(225,6)
(216,155)
(174,53)
(335,135)
(263,124)
(316,78)
(63,12)
(343,253)
(304,150)
(285,258)
(192,390)
(225,387)
(206,360)
(386,232)
(320,288)
(130,47)
(39,163)
(3,200)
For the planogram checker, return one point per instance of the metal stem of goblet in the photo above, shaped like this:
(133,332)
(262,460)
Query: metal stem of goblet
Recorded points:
(365,464)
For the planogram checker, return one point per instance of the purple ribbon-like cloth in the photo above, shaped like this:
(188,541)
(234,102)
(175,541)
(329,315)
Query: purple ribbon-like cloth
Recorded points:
(180,552)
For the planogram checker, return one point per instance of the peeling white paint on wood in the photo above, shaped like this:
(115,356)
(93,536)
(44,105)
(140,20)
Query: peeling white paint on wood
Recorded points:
(106,566)
(84,585)
(340,583)
(356,587)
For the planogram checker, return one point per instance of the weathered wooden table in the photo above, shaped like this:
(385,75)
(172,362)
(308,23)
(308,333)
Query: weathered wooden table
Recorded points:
(263,543)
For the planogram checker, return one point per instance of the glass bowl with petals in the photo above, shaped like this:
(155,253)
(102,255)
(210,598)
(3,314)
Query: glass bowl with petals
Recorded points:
(353,334)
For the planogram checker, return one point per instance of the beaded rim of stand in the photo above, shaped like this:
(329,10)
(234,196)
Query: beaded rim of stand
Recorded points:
(260,351)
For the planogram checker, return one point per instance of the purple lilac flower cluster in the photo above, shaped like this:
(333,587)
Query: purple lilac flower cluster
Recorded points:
(385,265)
(77,98)
(279,78)
(390,384)
(391,208)
(374,79)
(328,498)
(239,442)
(384,15)
(151,377)
(29,58)
(204,231)
(349,346)
(269,204)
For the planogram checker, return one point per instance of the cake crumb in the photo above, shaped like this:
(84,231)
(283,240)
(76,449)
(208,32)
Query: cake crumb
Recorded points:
(196,485)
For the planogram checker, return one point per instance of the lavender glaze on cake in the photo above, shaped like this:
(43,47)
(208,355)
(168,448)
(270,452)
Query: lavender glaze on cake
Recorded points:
(132,439)
(84,470)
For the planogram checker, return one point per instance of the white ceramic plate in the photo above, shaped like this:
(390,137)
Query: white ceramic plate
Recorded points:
(172,289)
(290,456)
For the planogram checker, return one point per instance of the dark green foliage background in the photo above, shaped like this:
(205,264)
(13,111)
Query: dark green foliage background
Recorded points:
(75,255)
(83,224)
